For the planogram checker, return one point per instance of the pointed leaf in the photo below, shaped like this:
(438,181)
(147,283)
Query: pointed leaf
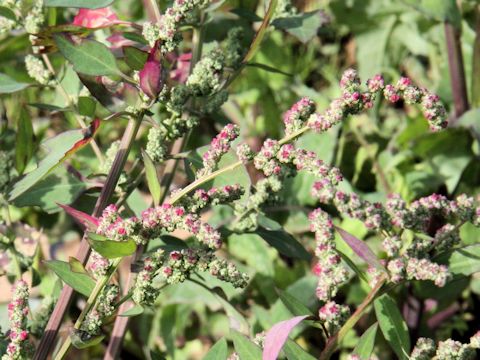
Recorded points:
(293,351)
(135,58)
(133,311)
(285,243)
(268,68)
(393,326)
(88,4)
(89,222)
(24,141)
(366,343)
(244,347)
(293,304)
(81,283)
(111,249)
(76,266)
(277,335)
(152,178)
(9,85)
(360,248)
(89,57)
(59,149)
(465,260)
(219,351)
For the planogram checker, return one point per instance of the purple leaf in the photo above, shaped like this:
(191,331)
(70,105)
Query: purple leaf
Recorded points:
(277,335)
(360,248)
(151,81)
(90,222)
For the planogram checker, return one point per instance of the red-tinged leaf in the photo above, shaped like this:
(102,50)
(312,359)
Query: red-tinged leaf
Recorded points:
(151,81)
(89,222)
(88,134)
(59,148)
(277,335)
(95,18)
(360,248)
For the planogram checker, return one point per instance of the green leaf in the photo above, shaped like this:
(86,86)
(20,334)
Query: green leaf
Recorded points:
(58,187)
(59,148)
(246,14)
(79,343)
(168,329)
(134,57)
(366,343)
(89,57)
(303,26)
(245,348)
(441,10)
(465,261)
(76,266)
(294,305)
(268,68)
(111,249)
(393,326)
(9,85)
(152,178)
(285,243)
(88,4)
(81,283)
(133,311)
(86,106)
(24,141)
(219,351)
(293,351)
(7,13)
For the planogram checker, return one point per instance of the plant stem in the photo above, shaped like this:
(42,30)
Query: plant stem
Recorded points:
(121,323)
(457,71)
(92,299)
(350,323)
(83,252)
(475,98)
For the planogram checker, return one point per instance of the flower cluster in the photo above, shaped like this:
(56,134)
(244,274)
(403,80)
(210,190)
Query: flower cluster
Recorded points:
(110,155)
(6,163)
(353,100)
(176,266)
(18,346)
(295,118)
(166,131)
(333,316)
(247,212)
(215,196)
(266,159)
(219,146)
(27,15)
(104,308)
(331,274)
(166,31)
(449,349)
(36,70)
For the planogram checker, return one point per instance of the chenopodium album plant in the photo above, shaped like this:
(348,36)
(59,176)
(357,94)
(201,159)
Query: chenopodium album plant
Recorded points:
(145,77)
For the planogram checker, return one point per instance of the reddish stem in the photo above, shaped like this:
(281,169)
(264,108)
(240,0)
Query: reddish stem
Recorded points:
(457,71)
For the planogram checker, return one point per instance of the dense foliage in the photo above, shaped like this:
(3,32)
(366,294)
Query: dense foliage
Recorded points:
(225,179)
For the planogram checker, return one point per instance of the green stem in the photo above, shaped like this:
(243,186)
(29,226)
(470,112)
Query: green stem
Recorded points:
(334,340)
(92,299)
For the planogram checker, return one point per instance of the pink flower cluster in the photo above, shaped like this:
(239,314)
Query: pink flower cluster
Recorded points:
(202,198)
(353,100)
(168,217)
(298,114)
(176,266)
(333,315)
(266,160)
(219,146)
(328,268)
(17,315)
